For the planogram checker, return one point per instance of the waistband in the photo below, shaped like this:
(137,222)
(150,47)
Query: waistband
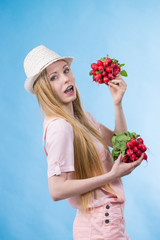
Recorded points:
(108,205)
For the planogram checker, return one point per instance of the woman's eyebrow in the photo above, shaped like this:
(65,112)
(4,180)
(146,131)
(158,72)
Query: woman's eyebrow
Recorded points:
(56,72)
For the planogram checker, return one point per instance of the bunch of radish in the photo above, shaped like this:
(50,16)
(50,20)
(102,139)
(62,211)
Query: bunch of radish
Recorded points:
(106,69)
(130,145)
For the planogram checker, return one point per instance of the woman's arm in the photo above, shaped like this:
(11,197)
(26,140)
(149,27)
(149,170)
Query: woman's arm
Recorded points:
(61,188)
(120,125)
(117,92)
(120,122)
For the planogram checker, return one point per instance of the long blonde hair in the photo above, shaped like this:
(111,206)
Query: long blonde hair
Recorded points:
(87,162)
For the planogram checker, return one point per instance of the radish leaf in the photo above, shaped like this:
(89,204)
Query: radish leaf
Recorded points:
(103,59)
(119,141)
(123,73)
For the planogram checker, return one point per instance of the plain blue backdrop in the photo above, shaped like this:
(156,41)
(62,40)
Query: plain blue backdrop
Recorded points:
(87,30)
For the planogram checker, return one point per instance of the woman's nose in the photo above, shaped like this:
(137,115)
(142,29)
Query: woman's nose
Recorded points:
(66,78)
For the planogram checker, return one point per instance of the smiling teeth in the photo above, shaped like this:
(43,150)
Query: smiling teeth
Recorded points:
(71,87)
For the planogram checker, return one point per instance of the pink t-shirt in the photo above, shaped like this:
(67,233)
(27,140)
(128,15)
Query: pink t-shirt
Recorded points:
(59,137)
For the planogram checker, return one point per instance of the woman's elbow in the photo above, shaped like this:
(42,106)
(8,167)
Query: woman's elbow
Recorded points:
(55,197)
(54,194)
(56,187)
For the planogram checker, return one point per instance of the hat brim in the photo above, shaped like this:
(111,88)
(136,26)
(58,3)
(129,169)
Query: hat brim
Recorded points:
(28,85)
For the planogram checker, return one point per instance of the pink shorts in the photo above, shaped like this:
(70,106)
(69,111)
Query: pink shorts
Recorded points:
(105,222)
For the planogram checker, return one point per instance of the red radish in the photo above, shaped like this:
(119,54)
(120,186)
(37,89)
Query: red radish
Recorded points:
(143,148)
(94,66)
(134,149)
(110,75)
(130,160)
(104,73)
(140,140)
(105,80)
(95,78)
(145,156)
(113,64)
(125,158)
(99,76)
(129,152)
(108,69)
(134,141)
(140,146)
(118,69)
(129,145)
(105,64)
(101,68)
(99,63)
(108,60)
(138,153)
(132,157)
(93,72)
(100,80)
(115,72)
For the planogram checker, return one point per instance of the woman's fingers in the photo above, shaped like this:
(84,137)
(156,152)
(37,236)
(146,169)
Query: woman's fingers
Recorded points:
(137,162)
(121,169)
(119,77)
(113,85)
(119,80)
(117,83)
(119,157)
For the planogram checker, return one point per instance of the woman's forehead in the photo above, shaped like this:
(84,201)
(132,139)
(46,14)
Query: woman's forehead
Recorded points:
(56,66)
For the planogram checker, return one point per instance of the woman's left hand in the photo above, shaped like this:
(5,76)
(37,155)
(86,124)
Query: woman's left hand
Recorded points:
(117,90)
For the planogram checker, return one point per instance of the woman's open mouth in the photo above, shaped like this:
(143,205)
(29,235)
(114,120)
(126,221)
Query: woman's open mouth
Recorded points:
(69,91)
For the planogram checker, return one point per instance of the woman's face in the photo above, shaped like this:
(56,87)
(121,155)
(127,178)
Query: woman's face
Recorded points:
(61,77)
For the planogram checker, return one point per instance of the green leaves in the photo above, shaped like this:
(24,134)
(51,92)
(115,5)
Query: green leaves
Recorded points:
(123,73)
(115,60)
(103,59)
(119,141)
(115,70)
(99,71)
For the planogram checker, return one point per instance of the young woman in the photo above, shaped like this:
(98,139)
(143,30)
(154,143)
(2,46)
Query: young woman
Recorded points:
(80,166)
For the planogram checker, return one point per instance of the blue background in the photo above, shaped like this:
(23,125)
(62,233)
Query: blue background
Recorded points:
(87,30)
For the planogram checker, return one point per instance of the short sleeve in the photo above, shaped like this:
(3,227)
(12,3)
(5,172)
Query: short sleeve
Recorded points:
(60,147)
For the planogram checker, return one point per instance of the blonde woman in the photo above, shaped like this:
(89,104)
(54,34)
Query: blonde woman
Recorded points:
(80,167)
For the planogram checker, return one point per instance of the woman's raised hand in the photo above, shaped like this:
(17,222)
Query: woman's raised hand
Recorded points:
(117,90)
(121,169)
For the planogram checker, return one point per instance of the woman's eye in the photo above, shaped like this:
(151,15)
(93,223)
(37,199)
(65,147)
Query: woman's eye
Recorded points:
(66,70)
(52,78)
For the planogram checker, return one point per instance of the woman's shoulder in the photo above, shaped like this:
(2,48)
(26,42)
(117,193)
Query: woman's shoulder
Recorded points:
(89,116)
(56,123)
(92,119)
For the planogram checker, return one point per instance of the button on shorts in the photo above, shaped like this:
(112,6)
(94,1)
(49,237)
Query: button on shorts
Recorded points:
(104,222)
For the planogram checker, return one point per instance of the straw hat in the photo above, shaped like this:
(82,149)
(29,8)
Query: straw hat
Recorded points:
(36,61)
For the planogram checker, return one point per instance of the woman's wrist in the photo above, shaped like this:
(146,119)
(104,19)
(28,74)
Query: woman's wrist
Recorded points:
(112,175)
(118,104)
